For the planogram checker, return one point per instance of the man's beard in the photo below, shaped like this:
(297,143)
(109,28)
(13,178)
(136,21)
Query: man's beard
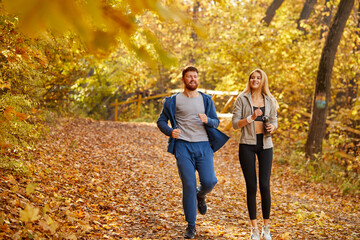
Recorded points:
(191,87)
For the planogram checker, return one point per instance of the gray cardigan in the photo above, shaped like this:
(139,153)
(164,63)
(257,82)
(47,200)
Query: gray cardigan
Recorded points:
(243,108)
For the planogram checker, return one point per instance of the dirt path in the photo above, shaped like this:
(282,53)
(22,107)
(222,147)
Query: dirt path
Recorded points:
(111,180)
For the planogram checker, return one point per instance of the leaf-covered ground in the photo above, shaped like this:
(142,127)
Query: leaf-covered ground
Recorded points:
(111,180)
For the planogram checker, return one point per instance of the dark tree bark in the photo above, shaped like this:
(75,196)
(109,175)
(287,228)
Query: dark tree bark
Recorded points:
(353,85)
(326,18)
(357,48)
(322,98)
(195,18)
(193,33)
(305,13)
(270,12)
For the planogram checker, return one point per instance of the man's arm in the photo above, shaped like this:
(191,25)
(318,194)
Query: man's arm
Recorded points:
(212,118)
(162,122)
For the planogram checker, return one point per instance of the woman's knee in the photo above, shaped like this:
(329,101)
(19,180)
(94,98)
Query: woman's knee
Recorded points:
(251,189)
(265,188)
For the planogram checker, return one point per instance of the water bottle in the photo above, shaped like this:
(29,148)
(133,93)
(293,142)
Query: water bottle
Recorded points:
(266,122)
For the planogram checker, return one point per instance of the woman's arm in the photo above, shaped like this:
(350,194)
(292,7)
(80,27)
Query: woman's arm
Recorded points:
(238,120)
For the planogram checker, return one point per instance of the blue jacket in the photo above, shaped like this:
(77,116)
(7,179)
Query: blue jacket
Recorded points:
(216,138)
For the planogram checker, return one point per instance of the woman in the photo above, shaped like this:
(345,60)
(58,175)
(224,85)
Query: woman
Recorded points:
(252,107)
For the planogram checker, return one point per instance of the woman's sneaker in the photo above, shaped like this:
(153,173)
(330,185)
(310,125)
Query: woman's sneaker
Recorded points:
(265,234)
(255,233)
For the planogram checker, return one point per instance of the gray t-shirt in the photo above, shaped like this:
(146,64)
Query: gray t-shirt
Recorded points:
(188,120)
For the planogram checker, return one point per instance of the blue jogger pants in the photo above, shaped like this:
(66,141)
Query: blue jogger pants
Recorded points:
(191,157)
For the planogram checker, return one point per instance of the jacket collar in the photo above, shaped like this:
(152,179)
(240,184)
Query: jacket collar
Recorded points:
(248,96)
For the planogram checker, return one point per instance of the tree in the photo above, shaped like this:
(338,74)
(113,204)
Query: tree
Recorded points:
(194,36)
(270,12)
(305,13)
(99,24)
(322,96)
(326,17)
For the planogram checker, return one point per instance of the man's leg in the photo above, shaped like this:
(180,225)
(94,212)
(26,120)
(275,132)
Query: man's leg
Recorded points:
(186,168)
(205,168)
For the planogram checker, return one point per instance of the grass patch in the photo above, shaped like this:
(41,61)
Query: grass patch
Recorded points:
(322,169)
(14,166)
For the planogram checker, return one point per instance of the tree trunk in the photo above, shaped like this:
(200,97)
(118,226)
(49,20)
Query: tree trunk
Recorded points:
(270,12)
(326,18)
(305,13)
(357,44)
(322,98)
(353,85)
(193,33)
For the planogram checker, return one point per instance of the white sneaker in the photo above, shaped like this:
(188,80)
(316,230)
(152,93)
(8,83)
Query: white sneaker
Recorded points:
(255,233)
(265,234)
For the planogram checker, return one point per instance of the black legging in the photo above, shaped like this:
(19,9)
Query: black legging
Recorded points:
(247,162)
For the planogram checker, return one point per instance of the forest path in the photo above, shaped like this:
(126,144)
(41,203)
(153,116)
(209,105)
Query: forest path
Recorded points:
(113,180)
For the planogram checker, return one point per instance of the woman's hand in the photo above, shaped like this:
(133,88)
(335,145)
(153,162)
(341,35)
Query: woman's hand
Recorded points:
(270,128)
(256,113)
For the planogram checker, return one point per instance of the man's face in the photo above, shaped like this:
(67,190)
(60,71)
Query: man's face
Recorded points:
(191,80)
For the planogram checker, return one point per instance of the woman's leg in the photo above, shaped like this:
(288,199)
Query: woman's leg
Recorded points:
(247,162)
(265,163)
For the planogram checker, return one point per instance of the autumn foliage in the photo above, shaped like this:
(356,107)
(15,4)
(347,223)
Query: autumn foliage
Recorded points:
(87,179)
(111,180)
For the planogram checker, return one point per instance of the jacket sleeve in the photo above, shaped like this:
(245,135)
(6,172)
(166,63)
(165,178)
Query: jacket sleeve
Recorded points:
(162,121)
(237,113)
(213,120)
(273,114)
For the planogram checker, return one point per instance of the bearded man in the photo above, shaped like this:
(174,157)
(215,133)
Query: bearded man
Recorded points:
(194,138)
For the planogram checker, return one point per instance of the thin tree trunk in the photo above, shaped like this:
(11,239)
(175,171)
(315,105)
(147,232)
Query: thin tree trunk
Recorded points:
(270,12)
(322,98)
(195,18)
(326,18)
(305,13)
(357,48)
(193,33)
(353,85)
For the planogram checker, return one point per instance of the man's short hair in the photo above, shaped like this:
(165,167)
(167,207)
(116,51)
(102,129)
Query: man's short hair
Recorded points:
(189,69)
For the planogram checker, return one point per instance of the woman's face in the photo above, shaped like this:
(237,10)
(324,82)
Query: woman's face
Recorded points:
(255,81)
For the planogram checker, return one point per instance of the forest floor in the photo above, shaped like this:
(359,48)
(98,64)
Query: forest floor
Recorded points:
(111,180)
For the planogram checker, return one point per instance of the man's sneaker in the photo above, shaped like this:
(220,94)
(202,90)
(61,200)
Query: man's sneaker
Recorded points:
(265,234)
(190,232)
(201,205)
(254,234)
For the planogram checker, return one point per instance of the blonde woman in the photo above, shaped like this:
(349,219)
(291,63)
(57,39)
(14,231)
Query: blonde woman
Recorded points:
(255,114)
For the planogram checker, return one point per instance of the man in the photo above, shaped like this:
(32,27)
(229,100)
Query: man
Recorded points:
(193,140)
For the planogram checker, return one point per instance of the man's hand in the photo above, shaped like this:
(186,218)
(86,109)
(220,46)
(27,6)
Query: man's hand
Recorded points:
(203,118)
(175,133)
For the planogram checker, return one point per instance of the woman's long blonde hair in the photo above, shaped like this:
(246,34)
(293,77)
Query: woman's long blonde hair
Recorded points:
(264,85)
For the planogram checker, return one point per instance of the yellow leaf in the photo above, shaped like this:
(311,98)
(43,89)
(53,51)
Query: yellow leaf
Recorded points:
(11,179)
(30,188)
(46,209)
(285,236)
(29,214)
(4,86)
